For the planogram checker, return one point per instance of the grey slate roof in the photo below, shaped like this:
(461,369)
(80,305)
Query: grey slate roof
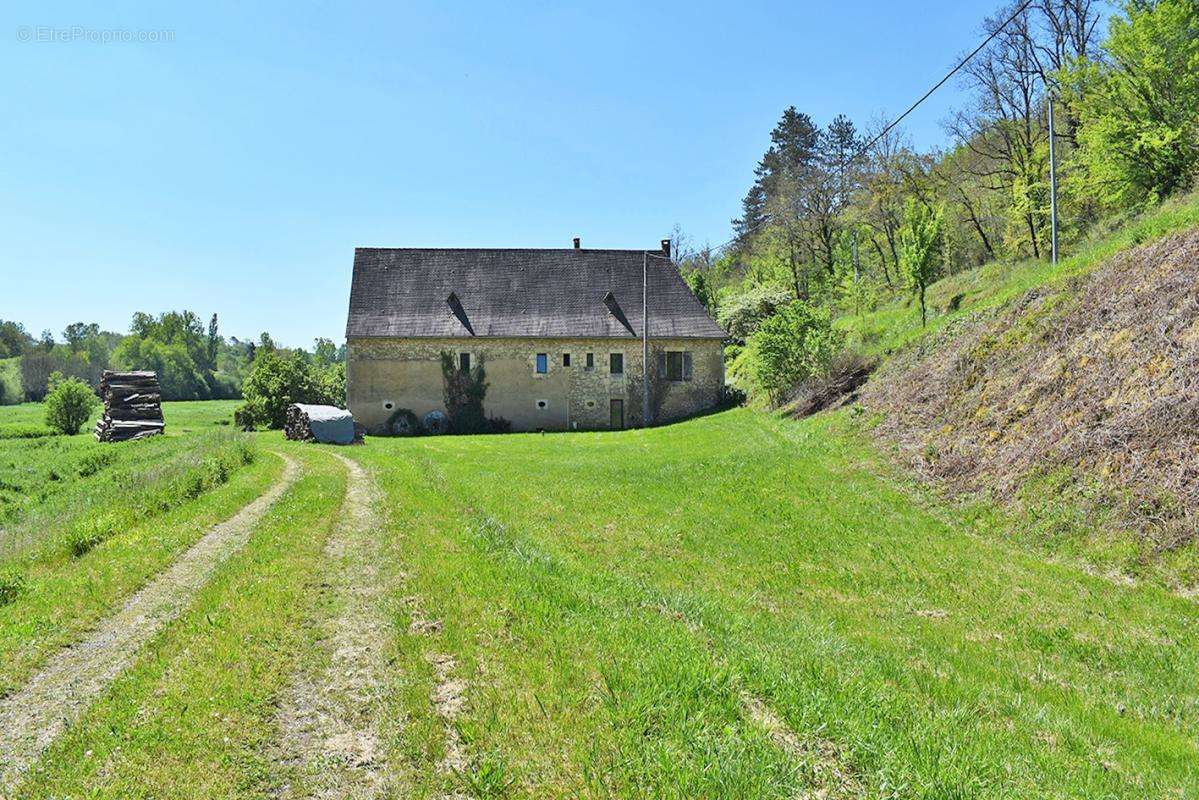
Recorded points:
(402,292)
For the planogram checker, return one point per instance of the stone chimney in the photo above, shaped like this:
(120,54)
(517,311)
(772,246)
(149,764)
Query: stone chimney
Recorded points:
(666,247)
(577,242)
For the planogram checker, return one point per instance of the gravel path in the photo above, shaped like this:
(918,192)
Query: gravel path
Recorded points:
(329,742)
(33,717)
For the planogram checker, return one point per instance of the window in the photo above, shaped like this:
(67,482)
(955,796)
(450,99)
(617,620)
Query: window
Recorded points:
(464,362)
(675,365)
(616,363)
(543,363)
(543,404)
(566,359)
(590,361)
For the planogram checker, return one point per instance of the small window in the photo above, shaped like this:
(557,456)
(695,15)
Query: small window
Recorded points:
(543,363)
(616,363)
(464,362)
(543,404)
(590,361)
(388,405)
(566,359)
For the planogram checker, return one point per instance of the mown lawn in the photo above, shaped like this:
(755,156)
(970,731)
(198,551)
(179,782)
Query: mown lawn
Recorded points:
(617,602)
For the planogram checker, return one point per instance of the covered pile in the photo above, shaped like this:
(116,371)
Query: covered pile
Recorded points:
(326,424)
(132,406)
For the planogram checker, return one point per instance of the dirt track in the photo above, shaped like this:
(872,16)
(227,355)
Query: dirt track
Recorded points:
(33,717)
(330,744)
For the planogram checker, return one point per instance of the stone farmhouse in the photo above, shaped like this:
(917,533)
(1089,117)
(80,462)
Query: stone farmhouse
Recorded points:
(560,333)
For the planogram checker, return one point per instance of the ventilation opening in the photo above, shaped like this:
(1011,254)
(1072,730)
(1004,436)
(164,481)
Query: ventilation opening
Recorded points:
(543,404)
(388,405)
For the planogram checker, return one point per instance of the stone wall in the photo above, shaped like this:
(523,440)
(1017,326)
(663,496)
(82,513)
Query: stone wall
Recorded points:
(383,375)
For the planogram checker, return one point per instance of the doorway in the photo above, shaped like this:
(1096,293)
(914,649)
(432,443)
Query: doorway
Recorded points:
(616,415)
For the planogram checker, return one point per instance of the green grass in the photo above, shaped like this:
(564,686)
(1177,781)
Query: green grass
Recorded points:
(194,717)
(56,487)
(896,323)
(614,600)
(612,597)
(63,595)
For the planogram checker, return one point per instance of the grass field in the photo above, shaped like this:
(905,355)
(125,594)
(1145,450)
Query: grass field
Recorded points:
(737,606)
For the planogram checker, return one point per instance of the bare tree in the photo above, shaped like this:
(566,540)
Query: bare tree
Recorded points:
(1005,130)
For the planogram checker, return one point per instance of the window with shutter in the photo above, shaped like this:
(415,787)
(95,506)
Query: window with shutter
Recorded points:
(673,367)
(686,366)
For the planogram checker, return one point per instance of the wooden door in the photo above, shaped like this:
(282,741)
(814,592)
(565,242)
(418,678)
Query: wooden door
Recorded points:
(616,414)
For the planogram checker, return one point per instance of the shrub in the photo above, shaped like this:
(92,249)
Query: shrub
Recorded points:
(796,344)
(248,414)
(69,404)
(403,423)
(499,425)
(731,396)
(12,583)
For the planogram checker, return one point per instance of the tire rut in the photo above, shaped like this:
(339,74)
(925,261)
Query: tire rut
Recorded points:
(35,715)
(329,742)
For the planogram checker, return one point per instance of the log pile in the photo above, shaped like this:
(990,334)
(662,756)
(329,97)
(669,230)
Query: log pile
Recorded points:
(326,424)
(297,427)
(132,406)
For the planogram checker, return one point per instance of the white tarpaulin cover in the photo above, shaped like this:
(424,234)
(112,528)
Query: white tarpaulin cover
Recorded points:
(329,424)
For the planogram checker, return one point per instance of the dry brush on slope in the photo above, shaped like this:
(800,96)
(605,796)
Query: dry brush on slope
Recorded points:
(1091,383)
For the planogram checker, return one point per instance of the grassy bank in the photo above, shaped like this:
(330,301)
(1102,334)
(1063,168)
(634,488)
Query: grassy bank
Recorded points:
(896,322)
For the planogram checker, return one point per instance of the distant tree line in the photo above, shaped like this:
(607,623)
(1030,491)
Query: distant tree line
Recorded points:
(193,360)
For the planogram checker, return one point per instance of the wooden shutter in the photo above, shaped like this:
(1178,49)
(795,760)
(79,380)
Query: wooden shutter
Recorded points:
(661,364)
(686,365)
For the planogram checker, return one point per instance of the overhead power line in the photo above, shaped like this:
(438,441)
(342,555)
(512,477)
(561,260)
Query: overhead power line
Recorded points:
(891,125)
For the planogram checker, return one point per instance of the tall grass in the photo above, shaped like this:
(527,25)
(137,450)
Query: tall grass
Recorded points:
(72,492)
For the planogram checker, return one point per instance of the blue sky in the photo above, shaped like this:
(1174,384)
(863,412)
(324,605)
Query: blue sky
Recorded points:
(234,165)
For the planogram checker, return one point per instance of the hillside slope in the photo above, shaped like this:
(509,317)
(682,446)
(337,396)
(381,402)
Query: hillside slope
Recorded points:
(1077,400)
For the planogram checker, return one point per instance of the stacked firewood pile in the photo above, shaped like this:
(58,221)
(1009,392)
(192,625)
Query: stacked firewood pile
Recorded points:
(132,406)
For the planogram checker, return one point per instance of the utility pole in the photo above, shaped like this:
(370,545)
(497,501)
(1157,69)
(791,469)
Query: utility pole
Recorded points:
(1052,182)
(645,339)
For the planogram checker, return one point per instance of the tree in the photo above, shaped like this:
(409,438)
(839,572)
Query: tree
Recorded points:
(214,343)
(69,404)
(277,380)
(746,312)
(14,339)
(325,352)
(919,243)
(1139,113)
(77,335)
